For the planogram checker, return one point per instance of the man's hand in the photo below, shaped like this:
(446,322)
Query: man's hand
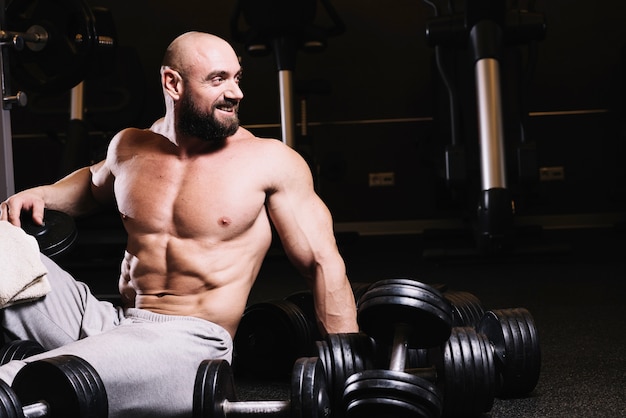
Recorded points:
(11,208)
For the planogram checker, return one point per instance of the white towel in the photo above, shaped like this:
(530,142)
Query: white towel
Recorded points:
(23,277)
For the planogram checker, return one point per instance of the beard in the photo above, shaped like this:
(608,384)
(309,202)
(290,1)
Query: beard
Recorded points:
(203,124)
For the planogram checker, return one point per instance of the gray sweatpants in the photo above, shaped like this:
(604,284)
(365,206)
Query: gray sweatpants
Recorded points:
(147,361)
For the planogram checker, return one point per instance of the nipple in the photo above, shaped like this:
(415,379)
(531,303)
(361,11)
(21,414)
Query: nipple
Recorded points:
(224,221)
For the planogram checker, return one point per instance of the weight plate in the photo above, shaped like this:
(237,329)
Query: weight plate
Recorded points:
(63,61)
(528,373)
(214,385)
(19,350)
(383,393)
(430,296)
(10,405)
(309,394)
(516,349)
(323,352)
(57,235)
(304,301)
(466,308)
(429,316)
(269,338)
(67,383)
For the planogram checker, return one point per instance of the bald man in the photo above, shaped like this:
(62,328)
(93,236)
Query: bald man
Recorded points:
(196,194)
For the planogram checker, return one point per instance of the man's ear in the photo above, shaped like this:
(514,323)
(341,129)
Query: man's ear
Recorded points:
(172,82)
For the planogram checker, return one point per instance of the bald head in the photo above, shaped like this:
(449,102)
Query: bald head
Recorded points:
(187,49)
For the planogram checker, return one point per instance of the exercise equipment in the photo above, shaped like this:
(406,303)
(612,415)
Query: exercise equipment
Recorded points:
(49,47)
(19,350)
(57,234)
(342,356)
(517,353)
(462,370)
(484,29)
(467,309)
(63,386)
(215,395)
(270,337)
(400,313)
(273,334)
(61,40)
(283,27)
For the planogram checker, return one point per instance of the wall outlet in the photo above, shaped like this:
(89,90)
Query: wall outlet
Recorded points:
(556,173)
(382,179)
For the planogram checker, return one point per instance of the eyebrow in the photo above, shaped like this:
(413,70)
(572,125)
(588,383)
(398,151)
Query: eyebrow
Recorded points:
(222,73)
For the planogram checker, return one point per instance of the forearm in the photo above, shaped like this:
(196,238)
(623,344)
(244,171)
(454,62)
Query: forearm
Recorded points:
(334,300)
(72,194)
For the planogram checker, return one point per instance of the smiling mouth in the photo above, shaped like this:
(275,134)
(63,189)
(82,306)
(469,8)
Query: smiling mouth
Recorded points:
(228,108)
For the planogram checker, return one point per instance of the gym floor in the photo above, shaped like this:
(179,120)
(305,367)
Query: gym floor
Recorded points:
(573,282)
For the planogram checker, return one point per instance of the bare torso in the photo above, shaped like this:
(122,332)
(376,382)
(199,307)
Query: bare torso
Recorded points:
(197,226)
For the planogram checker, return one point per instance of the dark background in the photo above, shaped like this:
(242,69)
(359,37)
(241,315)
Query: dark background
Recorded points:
(386,109)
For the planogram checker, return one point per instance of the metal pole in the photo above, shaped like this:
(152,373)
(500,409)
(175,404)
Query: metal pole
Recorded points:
(491,133)
(7,181)
(285,81)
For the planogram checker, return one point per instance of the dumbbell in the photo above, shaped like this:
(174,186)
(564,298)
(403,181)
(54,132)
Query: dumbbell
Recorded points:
(462,368)
(19,350)
(63,386)
(516,350)
(215,395)
(399,313)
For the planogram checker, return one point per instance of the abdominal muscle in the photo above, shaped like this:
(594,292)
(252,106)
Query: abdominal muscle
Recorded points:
(174,276)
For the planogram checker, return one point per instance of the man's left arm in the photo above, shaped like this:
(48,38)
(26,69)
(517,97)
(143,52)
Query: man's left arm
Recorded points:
(305,227)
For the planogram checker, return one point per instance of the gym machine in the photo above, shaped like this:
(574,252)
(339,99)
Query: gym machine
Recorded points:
(283,27)
(483,29)
(49,47)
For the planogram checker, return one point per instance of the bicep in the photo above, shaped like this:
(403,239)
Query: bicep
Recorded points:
(302,220)
(101,182)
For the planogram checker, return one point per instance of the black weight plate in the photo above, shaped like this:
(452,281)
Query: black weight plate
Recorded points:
(484,382)
(534,348)
(269,338)
(466,307)
(304,301)
(214,385)
(55,236)
(458,375)
(323,352)
(405,281)
(427,316)
(387,392)
(513,343)
(437,302)
(358,289)
(351,353)
(63,61)
(501,339)
(528,373)
(67,383)
(309,393)
(386,408)
(19,350)
(10,405)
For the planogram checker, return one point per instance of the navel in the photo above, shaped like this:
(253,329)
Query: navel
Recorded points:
(224,221)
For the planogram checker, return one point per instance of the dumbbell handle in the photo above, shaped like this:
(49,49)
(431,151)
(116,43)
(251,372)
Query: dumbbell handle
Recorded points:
(245,409)
(36,410)
(399,348)
(399,352)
